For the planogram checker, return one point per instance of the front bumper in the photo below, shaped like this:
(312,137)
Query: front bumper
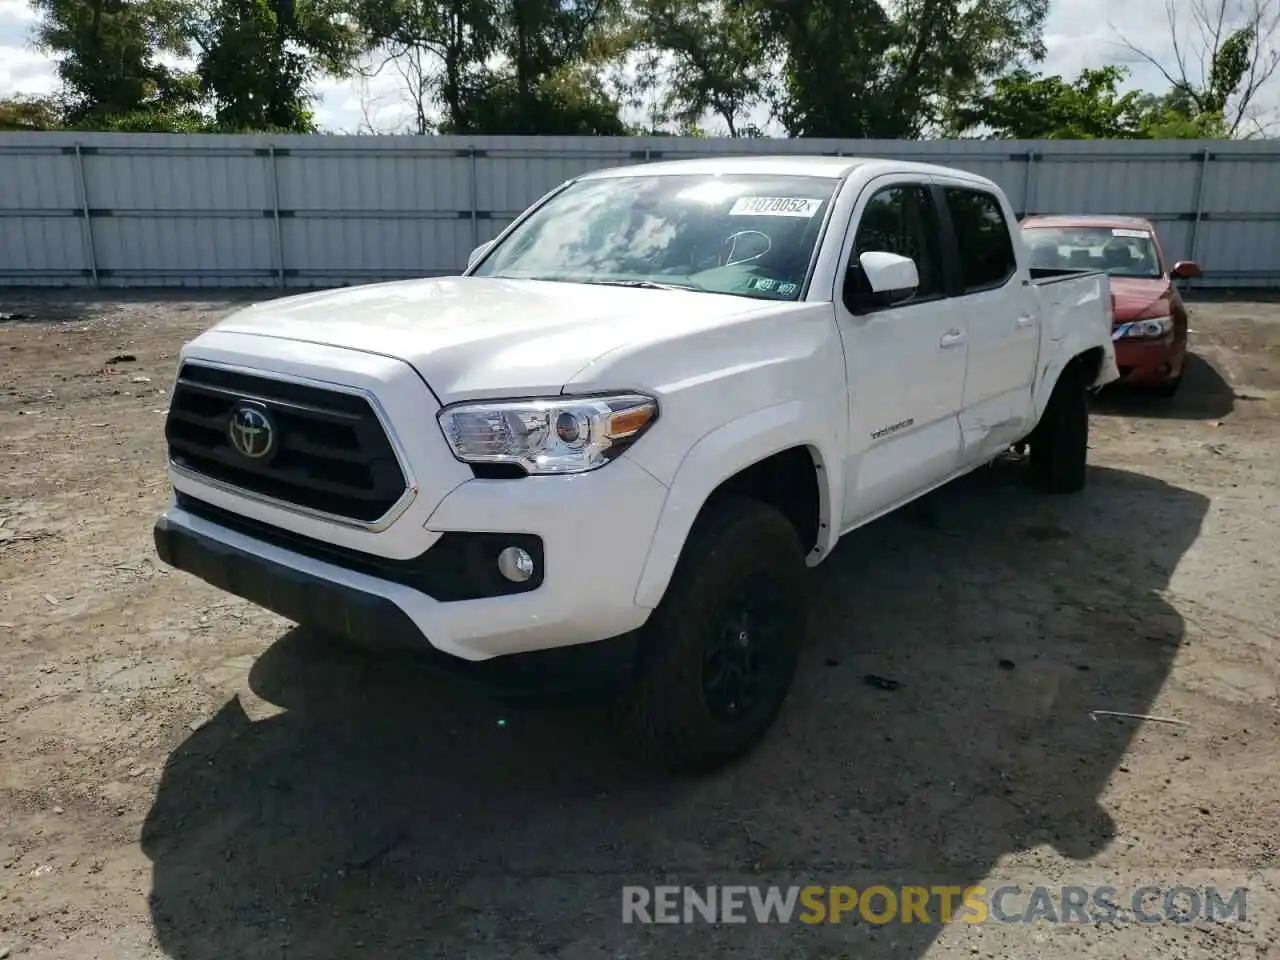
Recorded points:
(595,531)
(1149,361)
(295,594)
(377,623)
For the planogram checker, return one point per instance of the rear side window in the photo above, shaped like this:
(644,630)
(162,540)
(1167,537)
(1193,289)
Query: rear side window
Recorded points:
(902,220)
(982,238)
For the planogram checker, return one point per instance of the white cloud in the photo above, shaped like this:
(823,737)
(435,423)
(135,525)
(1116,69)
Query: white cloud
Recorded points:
(1084,33)
(1078,34)
(374,104)
(22,69)
(1088,33)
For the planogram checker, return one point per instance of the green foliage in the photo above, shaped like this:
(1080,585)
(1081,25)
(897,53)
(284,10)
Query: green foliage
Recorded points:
(549,46)
(835,78)
(820,68)
(109,55)
(1175,116)
(563,104)
(709,55)
(1227,70)
(30,113)
(859,68)
(255,61)
(257,58)
(455,37)
(1026,106)
(156,120)
(500,66)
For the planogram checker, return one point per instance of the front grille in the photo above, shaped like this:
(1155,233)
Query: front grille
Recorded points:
(331,453)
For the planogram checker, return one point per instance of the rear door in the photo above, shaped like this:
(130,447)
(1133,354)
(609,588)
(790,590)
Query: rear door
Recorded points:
(905,363)
(999,311)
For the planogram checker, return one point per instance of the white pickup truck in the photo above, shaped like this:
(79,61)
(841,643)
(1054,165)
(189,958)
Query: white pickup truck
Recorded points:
(610,449)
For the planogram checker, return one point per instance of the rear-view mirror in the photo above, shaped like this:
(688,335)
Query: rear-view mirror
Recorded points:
(1186,269)
(891,277)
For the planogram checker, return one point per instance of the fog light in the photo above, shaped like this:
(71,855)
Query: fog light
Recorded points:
(515,564)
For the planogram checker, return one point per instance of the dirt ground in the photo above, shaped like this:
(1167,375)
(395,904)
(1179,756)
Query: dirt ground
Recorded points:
(186,776)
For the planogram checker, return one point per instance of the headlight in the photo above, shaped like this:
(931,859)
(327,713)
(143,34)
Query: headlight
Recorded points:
(1149,328)
(552,435)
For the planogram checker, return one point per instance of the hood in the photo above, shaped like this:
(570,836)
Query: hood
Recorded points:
(476,337)
(1135,297)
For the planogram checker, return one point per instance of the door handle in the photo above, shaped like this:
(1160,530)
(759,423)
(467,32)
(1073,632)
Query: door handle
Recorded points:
(1026,321)
(952,338)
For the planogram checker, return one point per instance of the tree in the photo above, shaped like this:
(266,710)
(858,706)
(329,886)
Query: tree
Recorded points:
(256,59)
(833,77)
(1225,63)
(569,102)
(553,53)
(857,68)
(706,56)
(498,66)
(1175,116)
(30,113)
(1026,106)
(108,55)
(438,47)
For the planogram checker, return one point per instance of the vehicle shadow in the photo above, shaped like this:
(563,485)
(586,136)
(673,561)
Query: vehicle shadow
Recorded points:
(387,813)
(1205,394)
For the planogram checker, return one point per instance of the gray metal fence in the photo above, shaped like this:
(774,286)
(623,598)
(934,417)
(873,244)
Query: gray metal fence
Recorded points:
(155,210)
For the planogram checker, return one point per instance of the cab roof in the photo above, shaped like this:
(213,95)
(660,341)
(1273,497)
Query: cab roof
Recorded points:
(793,165)
(1102,221)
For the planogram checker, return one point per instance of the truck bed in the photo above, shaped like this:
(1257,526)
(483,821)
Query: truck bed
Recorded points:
(1076,309)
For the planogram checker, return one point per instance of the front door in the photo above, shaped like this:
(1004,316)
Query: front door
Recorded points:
(905,363)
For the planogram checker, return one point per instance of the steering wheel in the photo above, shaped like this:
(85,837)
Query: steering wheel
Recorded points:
(732,241)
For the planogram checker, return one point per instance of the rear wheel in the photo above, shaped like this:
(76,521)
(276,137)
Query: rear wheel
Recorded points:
(1060,443)
(719,653)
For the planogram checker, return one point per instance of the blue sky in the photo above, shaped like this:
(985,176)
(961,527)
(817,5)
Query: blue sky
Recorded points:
(1079,33)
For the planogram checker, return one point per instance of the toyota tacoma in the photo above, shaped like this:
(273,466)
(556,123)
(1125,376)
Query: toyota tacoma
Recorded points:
(613,445)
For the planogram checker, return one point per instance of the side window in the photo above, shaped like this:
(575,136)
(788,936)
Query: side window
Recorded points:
(902,220)
(982,237)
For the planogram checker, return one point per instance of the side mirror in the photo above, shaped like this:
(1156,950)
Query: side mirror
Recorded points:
(1186,269)
(477,253)
(886,279)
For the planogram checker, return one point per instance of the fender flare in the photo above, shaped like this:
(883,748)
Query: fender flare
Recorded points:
(721,454)
(1061,358)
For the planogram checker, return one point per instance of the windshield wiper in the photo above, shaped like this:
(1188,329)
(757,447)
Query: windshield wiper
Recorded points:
(645,284)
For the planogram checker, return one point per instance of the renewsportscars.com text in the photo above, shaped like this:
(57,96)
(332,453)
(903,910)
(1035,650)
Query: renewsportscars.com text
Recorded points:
(938,904)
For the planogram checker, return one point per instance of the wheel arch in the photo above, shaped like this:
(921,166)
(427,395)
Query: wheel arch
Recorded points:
(767,455)
(1092,364)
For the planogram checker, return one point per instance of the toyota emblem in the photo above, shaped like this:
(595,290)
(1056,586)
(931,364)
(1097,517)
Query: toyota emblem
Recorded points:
(251,432)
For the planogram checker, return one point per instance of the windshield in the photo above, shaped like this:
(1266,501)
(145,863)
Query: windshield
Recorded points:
(1121,252)
(748,235)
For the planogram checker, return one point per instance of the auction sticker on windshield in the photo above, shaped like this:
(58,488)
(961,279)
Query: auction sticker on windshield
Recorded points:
(775,207)
(1131,234)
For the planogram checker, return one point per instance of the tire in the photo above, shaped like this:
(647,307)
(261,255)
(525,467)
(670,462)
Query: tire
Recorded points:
(703,697)
(1060,443)
(1167,388)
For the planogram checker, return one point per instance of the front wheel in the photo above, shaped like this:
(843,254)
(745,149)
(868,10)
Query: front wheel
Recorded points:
(1060,443)
(719,653)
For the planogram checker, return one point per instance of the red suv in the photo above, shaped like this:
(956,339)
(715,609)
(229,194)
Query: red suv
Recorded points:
(1149,317)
